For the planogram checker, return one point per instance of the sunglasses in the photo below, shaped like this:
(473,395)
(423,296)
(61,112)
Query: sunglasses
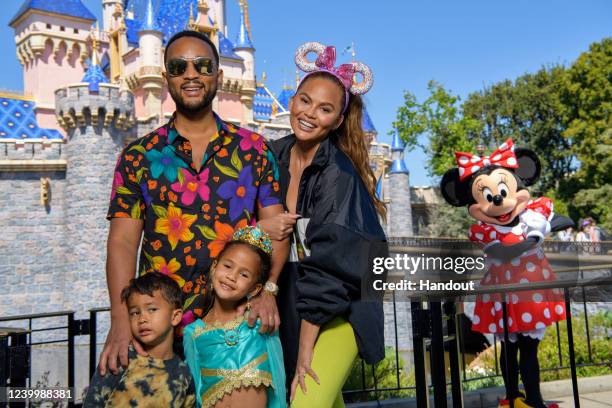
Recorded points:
(178,66)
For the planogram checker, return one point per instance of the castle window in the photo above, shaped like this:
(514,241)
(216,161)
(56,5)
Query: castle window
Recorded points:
(48,26)
(62,28)
(76,30)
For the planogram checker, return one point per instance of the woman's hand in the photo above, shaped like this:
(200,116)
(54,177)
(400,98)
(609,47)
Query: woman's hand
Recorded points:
(308,336)
(280,226)
(302,369)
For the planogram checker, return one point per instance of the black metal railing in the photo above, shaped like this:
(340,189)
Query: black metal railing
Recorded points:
(435,328)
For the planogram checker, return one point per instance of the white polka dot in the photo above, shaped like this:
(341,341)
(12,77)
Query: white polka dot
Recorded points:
(493,311)
(508,275)
(475,169)
(546,273)
(512,149)
(503,146)
(511,161)
(501,323)
(475,159)
(486,297)
(516,261)
(498,306)
(515,299)
(476,319)
(556,291)
(463,160)
(524,280)
(547,313)
(507,298)
(492,234)
(492,328)
(530,267)
(537,297)
(549,204)
(479,236)
(509,321)
(486,162)
(496,157)
(526,317)
(540,325)
(461,171)
(559,309)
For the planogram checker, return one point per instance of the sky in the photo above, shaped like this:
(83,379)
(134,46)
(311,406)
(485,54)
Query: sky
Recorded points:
(464,45)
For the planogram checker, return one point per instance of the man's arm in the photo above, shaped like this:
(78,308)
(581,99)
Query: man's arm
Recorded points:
(264,306)
(122,248)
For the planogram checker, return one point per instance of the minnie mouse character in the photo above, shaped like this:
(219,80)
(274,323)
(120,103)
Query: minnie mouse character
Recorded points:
(511,228)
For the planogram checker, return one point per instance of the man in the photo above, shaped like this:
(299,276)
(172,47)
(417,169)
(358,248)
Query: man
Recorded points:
(184,188)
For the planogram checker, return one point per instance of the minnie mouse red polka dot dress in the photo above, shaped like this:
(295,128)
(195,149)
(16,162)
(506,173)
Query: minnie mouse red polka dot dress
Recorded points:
(529,312)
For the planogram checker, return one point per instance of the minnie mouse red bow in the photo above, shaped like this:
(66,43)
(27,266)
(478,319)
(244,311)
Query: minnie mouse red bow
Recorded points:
(470,164)
(344,72)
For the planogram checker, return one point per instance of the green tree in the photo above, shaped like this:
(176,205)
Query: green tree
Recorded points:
(440,118)
(587,98)
(528,110)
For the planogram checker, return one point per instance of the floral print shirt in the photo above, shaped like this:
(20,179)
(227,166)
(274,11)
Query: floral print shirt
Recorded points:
(189,215)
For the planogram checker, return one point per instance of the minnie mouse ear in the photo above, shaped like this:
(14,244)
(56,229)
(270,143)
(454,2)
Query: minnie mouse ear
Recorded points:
(528,166)
(454,191)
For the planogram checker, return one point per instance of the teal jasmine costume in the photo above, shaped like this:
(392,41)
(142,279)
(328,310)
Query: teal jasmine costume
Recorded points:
(228,356)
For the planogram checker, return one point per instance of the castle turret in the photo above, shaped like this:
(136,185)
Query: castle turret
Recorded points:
(97,123)
(109,8)
(51,42)
(150,39)
(400,208)
(244,48)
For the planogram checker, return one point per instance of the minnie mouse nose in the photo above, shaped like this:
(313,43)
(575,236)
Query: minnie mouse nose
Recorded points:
(497,199)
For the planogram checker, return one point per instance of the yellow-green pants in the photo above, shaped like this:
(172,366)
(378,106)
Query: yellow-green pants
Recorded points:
(334,353)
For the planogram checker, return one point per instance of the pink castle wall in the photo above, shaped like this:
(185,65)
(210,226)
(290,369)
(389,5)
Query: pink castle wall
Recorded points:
(230,106)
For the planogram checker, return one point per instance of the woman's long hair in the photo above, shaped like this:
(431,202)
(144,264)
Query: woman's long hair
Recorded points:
(352,141)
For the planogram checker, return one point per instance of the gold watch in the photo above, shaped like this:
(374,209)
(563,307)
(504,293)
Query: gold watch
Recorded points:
(271,288)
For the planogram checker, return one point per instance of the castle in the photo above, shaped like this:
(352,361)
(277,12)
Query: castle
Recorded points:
(90,88)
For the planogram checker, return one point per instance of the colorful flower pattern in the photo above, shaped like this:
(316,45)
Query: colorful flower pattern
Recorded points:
(189,215)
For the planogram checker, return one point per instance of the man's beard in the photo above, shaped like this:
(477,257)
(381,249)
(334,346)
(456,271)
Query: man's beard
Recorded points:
(193,107)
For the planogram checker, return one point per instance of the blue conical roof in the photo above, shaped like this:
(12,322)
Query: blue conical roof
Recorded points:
(94,75)
(72,8)
(366,122)
(396,143)
(244,39)
(149,22)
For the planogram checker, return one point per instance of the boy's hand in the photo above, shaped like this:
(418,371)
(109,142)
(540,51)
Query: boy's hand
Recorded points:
(116,346)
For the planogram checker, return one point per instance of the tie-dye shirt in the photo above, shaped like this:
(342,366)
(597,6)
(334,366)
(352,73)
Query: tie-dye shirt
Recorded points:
(146,383)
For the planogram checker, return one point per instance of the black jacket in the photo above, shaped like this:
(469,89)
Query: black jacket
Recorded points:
(343,235)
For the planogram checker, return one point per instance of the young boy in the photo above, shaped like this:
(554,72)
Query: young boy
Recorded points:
(162,379)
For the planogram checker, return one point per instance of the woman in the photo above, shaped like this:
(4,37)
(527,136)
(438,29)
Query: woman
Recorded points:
(329,311)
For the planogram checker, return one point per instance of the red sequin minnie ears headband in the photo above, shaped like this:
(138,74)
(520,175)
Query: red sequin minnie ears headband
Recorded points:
(345,73)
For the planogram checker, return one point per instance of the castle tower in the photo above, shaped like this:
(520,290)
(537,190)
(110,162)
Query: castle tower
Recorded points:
(204,23)
(98,121)
(51,45)
(244,48)
(109,8)
(400,208)
(150,39)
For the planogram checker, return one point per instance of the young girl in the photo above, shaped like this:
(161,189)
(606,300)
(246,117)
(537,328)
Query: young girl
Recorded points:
(232,364)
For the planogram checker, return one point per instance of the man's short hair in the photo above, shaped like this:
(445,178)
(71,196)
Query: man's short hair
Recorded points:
(193,34)
(150,282)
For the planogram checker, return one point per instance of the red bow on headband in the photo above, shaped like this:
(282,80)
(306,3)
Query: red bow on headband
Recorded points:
(344,72)
(470,164)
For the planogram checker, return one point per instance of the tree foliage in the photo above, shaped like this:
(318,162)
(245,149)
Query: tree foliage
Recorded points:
(563,114)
